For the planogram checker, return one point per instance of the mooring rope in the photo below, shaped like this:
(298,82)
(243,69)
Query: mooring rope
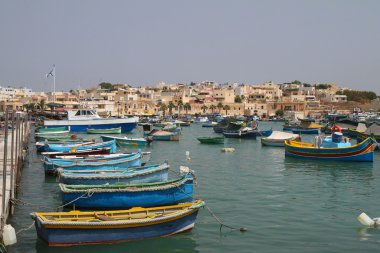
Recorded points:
(86,195)
(242,229)
(24,229)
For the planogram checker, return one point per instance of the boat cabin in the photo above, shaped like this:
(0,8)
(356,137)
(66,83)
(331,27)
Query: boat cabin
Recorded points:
(82,114)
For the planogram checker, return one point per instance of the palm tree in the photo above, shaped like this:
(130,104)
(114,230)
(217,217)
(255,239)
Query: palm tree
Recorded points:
(220,106)
(42,105)
(170,107)
(212,107)
(163,108)
(226,108)
(179,104)
(187,107)
(204,108)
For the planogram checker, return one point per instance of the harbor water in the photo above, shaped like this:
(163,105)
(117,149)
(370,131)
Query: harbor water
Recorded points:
(286,204)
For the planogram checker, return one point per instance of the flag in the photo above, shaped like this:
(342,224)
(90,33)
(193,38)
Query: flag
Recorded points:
(51,73)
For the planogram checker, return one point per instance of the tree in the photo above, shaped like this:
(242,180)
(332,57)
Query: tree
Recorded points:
(296,82)
(280,112)
(179,104)
(187,107)
(226,108)
(238,99)
(358,96)
(163,108)
(220,106)
(42,105)
(107,86)
(170,107)
(204,108)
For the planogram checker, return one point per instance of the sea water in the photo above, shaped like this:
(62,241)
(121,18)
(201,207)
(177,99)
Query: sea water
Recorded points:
(286,204)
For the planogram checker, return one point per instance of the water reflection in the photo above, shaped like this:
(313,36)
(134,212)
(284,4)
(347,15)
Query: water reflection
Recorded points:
(176,243)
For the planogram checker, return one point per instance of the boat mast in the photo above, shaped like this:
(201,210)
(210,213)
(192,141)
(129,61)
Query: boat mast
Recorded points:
(54,83)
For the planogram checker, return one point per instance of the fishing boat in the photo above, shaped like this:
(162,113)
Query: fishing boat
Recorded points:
(133,175)
(57,138)
(80,120)
(209,124)
(211,140)
(44,134)
(159,135)
(307,127)
(372,131)
(277,139)
(116,196)
(360,129)
(126,141)
(116,130)
(52,129)
(81,146)
(331,149)
(101,163)
(76,227)
(42,146)
(243,133)
(180,123)
(83,153)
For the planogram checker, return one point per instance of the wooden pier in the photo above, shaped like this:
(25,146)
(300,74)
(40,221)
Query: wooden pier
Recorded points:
(13,142)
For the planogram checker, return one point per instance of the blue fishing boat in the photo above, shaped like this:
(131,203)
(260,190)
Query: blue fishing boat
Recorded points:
(134,175)
(117,196)
(76,227)
(42,146)
(80,120)
(131,160)
(331,149)
(70,147)
(126,141)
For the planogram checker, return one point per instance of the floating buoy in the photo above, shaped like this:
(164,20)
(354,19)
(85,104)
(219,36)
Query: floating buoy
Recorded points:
(9,235)
(365,220)
(188,155)
(228,150)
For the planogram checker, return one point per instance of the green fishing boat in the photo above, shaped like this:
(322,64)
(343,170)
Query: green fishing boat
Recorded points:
(51,129)
(116,130)
(211,140)
(53,137)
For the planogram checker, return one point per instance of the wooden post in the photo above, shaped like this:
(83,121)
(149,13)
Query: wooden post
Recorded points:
(4,169)
(12,188)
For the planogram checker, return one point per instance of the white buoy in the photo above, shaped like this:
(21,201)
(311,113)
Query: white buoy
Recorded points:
(228,150)
(188,155)
(9,235)
(365,220)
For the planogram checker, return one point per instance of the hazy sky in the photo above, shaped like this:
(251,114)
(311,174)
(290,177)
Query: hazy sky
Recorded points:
(145,42)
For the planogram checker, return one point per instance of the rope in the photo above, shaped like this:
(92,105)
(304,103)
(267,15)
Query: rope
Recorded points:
(2,248)
(24,229)
(83,196)
(242,229)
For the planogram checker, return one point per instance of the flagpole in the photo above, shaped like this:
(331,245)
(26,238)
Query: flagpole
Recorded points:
(54,83)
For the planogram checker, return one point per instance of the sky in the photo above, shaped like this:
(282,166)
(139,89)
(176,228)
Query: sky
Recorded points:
(146,42)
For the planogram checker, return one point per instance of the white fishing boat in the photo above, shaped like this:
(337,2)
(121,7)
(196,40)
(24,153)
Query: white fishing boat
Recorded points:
(80,120)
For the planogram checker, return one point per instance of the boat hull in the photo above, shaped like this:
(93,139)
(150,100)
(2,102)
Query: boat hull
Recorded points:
(211,140)
(133,161)
(103,151)
(362,152)
(129,197)
(104,130)
(305,131)
(135,176)
(57,236)
(68,148)
(125,142)
(80,126)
